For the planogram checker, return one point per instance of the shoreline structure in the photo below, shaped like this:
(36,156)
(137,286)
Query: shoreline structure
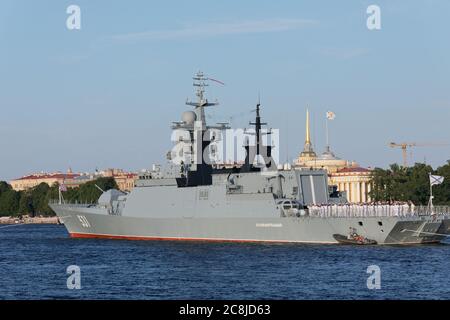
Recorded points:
(29,220)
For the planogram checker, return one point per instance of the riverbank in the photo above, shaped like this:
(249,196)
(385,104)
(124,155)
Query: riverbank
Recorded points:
(29,220)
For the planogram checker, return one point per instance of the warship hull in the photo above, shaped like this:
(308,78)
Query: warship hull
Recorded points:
(255,201)
(85,222)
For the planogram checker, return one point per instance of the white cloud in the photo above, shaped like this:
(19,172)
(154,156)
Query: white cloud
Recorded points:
(218,29)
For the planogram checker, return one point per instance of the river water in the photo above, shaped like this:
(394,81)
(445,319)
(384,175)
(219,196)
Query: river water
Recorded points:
(34,260)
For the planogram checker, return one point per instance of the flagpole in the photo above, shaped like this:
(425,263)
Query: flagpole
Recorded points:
(431,195)
(434,180)
(61,198)
(329,116)
(60,194)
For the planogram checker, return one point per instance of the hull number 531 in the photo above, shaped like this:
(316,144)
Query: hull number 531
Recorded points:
(84,222)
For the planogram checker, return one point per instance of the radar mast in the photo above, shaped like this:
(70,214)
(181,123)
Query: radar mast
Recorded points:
(200,82)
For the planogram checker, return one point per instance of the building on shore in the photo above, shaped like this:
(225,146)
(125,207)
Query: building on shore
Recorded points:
(125,180)
(355,181)
(33,180)
(347,176)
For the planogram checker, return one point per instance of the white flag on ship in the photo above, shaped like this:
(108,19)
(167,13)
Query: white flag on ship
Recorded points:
(330,115)
(436,179)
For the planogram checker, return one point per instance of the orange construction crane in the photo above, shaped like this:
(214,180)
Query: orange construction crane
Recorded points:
(406,145)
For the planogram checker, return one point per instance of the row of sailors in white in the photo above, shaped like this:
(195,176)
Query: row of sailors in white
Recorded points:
(375,209)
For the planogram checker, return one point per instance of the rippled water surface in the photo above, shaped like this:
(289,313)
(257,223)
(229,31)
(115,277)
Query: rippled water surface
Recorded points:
(34,258)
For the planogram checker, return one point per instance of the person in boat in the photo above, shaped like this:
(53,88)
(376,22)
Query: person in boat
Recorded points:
(352,234)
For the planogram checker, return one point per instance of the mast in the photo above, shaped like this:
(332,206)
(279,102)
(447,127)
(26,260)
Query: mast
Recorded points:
(258,125)
(197,171)
(200,82)
(260,154)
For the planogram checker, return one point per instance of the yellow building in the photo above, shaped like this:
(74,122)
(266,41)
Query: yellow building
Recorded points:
(125,180)
(354,181)
(348,176)
(33,180)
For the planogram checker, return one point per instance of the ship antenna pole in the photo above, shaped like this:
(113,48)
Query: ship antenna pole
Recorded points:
(430,202)
(200,82)
(61,198)
(287,139)
(99,188)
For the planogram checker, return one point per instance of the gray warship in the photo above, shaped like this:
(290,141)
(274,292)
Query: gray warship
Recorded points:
(257,201)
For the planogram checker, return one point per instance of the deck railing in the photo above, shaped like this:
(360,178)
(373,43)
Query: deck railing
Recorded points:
(371,210)
(73,202)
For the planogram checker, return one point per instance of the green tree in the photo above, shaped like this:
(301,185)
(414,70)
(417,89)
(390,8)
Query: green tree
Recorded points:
(25,202)
(36,200)
(88,192)
(9,202)
(381,185)
(4,186)
(403,184)
(441,192)
(418,183)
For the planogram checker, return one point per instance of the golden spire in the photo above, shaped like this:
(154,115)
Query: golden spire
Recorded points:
(308,151)
(307,136)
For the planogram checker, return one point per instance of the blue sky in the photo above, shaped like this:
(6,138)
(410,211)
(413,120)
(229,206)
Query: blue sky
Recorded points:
(104,96)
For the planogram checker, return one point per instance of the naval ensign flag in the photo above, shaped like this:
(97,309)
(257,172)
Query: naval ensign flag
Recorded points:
(434,180)
(330,115)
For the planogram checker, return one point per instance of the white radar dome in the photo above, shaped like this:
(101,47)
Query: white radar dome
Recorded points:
(189,117)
